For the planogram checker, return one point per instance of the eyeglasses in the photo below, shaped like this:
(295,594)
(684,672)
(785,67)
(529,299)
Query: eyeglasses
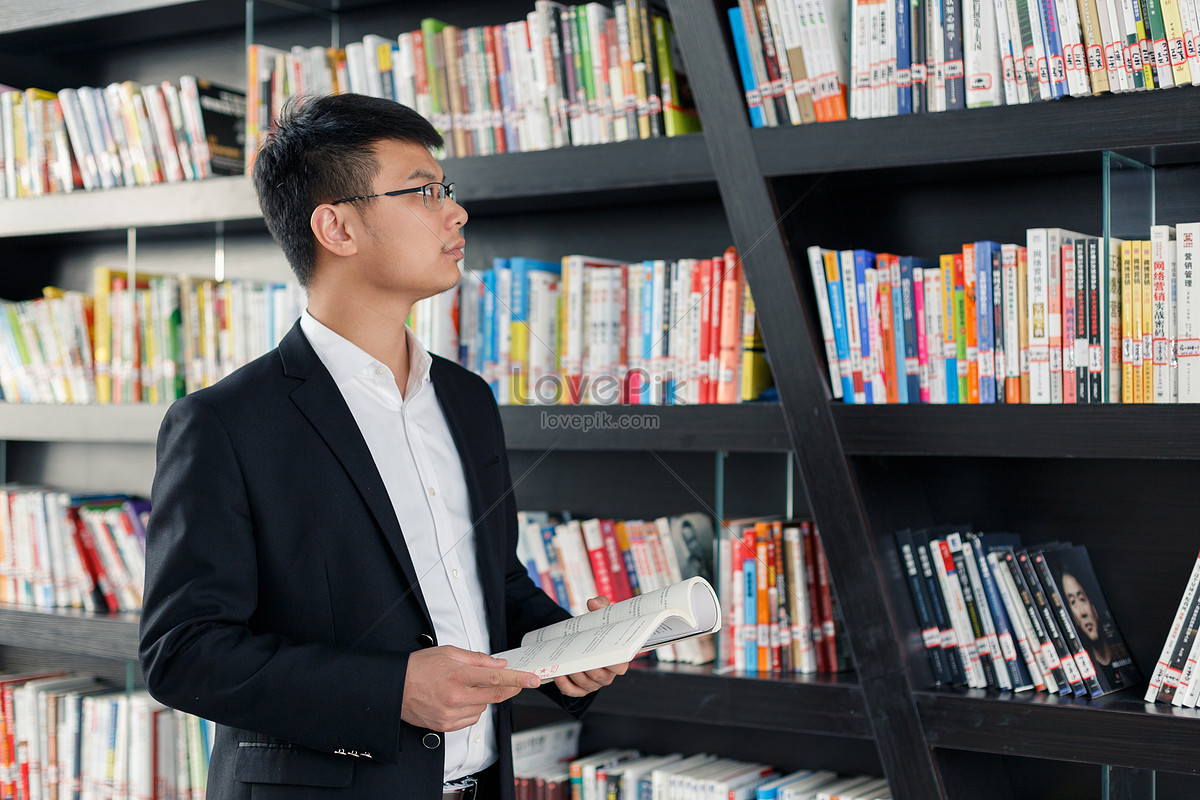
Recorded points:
(432,194)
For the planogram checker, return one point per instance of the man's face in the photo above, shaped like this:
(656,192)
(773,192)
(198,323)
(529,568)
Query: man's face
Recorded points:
(1081,607)
(410,249)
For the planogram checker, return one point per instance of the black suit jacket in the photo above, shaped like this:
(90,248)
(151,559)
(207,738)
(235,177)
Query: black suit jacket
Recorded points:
(281,601)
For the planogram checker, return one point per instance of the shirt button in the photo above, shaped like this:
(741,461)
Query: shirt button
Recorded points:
(454,572)
(431,491)
(478,738)
(380,371)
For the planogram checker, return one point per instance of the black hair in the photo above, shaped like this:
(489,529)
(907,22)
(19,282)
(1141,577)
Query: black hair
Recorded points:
(322,149)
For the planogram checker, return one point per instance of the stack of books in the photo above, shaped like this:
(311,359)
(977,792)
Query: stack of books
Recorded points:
(997,615)
(779,605)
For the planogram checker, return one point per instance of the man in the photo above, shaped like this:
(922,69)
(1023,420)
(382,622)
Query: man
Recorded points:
(331,551)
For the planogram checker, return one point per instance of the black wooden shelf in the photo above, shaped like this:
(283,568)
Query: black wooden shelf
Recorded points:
(823,704)
(70,631)
(741,427)
(1146,125)
(1111,430)
(1117,729)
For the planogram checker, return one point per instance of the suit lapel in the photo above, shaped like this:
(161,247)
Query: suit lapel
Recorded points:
(320,401)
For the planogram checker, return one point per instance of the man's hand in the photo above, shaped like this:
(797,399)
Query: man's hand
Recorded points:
(584,683)
(447,688)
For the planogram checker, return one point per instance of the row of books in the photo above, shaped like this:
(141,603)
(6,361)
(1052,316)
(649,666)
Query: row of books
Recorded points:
(564,75)
(602,331)
(779,609)
(1174,680)
(71,735)
(940,55)
(64,550)
(547,766)
(937,55)
(123,134)
(574,560)
(165,336)
(995,614)
(1054,321)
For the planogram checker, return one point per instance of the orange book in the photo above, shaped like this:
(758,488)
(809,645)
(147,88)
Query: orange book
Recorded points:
(762,598)
(1022,319)
(1147,324)
(887,331)
(971,317)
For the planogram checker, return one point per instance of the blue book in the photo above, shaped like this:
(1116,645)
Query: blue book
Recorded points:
(904,86)
(982,544)
(912,359)
(745,68)
(556,575)
(1055,65)
(648,367)
(487,331)
(750,581)
(985,253)
(863,260)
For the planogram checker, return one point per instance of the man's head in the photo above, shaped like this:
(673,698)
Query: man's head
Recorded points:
(324,149)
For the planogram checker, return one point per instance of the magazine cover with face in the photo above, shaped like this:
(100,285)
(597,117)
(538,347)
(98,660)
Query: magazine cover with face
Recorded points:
(1072,571)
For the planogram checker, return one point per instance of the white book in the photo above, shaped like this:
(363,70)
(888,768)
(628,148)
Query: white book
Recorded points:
(1070,32)
(816,264)
(935,334)
(1187,311)
(404,71)
(1162,330)
(872,367)
(1037,315)
(1018,50)
(853,329)
(959,621)
(1164,659)
(805,785)
(1019,621)
(617,633)
(373,65)
(1008,71)
(981,54)
(577,568)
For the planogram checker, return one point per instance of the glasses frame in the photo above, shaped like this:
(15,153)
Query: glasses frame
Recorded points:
(447,194)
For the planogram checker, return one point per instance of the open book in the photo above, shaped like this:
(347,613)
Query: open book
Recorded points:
(617,633)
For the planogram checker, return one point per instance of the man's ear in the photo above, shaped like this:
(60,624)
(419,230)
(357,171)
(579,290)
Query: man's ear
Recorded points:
(334,229)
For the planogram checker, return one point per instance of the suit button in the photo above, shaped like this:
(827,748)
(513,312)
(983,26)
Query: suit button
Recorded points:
(431,741)
(426,640)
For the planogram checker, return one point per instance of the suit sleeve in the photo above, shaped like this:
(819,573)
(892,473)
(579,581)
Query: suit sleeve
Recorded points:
(198,649)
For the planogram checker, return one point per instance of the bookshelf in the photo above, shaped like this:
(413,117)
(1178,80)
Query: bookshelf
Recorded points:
(918,184)
(1108,477)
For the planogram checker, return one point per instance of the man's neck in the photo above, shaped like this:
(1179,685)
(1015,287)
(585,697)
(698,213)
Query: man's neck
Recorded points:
(376,329)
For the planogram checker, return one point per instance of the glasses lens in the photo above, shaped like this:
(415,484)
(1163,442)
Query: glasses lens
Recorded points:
(435,196)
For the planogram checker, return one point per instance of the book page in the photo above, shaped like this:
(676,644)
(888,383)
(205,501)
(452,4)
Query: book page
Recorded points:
(694,600)
(617,633)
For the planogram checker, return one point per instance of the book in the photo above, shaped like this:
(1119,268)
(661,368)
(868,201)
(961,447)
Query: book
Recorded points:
(617,633)
(1074,577)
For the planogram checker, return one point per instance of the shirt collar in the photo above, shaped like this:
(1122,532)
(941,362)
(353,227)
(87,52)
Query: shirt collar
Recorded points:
(346,360)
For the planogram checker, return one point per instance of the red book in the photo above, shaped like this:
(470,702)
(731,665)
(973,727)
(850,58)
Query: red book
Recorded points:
(90,556)
(622,589)
(810,575)
(828,631)
(593,541)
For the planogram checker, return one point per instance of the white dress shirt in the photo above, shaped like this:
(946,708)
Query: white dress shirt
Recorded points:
(419,463)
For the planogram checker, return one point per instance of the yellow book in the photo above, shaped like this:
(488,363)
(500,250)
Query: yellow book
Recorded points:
(1135,318)
(949,328)
(1126,322)
(756,372)
(1173,25)
(1147,324)
(102,331)
(1023,319)
(38,153)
